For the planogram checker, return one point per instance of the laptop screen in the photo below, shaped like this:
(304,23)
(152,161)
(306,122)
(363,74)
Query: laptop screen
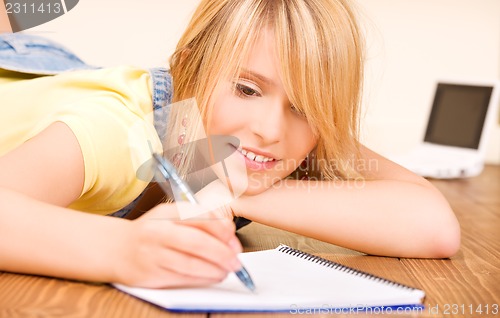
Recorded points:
(458,115)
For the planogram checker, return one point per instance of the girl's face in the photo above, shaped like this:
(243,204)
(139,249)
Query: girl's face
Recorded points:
(274,137)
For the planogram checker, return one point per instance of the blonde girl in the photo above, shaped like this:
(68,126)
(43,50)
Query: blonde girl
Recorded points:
(297,70)
(284,78)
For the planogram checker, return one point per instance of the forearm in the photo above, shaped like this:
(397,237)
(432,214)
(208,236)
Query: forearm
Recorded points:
(44,239)
(391,218)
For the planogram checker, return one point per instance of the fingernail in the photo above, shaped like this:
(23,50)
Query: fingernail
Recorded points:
(235,264)
(235,245)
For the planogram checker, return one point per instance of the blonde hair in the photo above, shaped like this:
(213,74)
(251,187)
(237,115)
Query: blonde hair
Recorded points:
(320,48)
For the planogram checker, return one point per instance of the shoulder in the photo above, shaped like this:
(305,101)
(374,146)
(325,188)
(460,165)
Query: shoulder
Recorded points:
(122,79)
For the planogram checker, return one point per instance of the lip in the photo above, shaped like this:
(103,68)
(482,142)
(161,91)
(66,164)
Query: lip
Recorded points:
(258,166)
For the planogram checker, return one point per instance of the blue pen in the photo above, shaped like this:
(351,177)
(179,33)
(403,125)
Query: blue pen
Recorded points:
(183,192)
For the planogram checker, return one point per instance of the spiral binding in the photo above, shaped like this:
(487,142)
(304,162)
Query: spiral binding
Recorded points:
(349,270)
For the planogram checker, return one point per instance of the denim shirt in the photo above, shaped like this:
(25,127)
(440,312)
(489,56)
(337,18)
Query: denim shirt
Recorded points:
(39,56)
(36,55)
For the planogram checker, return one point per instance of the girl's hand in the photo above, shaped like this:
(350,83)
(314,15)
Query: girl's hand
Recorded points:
(161,251)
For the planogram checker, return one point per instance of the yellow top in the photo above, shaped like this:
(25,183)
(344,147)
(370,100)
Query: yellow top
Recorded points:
(108,110)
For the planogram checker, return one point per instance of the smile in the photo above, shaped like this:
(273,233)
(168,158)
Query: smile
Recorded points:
(254,157)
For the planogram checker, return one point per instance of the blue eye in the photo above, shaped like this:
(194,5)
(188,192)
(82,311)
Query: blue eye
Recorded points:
(246,91)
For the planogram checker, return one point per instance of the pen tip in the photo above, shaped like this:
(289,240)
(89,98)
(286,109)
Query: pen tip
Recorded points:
(246,279)
(251,286)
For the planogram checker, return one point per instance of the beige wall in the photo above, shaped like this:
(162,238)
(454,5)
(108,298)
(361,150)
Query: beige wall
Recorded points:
(411,44)
(113,32)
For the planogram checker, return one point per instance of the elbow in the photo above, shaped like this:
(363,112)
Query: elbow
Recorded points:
(446,242)
(437,234)
(428,227)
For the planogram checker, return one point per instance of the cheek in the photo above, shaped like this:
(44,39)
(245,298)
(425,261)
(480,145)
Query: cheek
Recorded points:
(301,140)
(225,119)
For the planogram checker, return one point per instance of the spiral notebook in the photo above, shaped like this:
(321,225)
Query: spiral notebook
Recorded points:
(287,280)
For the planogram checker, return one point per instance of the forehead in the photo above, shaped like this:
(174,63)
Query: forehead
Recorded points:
(261,59)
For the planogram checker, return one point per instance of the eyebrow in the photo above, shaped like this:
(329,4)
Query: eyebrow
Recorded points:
(256,76)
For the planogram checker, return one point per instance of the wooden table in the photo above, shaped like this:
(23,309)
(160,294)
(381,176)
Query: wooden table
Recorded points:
(454,287)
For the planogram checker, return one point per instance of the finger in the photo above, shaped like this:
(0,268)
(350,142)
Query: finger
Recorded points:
(163,211)
(222,229)
(189,266)
(168,279)
(181,281)
(199,243)
(210,222)
(182,211)
(165,278)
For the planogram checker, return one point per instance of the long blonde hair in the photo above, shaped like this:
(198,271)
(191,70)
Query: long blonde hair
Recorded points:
(320,47)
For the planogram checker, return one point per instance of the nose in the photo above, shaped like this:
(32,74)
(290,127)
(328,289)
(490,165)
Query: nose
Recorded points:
(270,123)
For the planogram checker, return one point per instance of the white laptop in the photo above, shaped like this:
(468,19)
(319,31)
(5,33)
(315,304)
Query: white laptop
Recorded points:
(462,115)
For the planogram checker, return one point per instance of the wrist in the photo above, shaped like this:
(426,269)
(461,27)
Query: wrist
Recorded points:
(252,207)
(237,206)
(119,245)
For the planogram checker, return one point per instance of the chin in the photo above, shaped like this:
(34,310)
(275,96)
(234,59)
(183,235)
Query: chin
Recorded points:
(243,184)
(242,181)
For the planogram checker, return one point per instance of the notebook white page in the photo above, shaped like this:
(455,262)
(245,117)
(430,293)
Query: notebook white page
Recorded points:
(283,282)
